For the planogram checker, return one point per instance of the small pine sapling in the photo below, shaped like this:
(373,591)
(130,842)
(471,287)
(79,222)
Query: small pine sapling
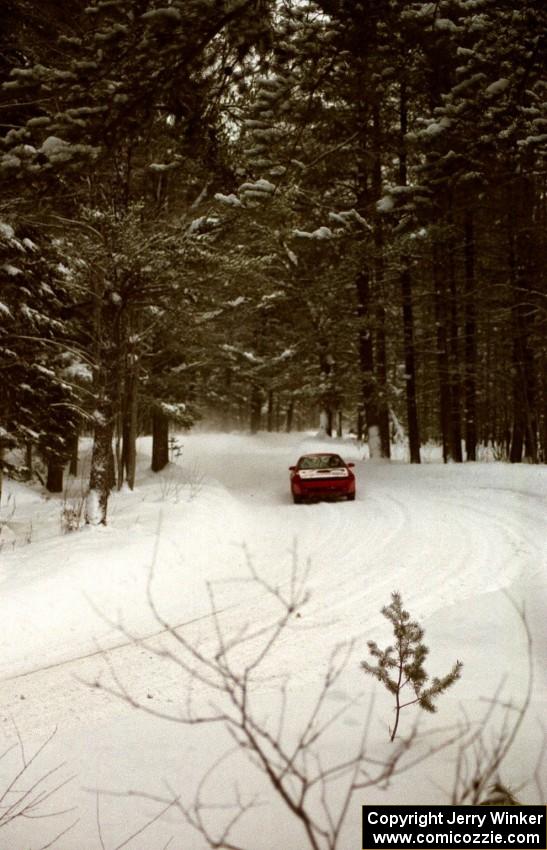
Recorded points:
(500,795)
(402,665)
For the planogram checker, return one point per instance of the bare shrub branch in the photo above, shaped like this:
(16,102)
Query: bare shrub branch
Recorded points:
(479,760)
(228,670)
(224,675)
(26,797)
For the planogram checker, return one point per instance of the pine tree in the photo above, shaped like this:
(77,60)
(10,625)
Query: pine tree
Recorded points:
(402,664)
(363,187)
(39,404)
(139,79)
(485,155)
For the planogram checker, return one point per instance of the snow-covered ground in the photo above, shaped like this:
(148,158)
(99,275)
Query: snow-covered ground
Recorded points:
(459,542)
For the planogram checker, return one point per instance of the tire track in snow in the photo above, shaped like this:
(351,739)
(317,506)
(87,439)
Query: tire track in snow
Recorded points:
(408,532)
(135,641)
(514,534)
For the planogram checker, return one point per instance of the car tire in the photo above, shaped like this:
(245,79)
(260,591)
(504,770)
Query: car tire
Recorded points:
(351,497)
(297,500)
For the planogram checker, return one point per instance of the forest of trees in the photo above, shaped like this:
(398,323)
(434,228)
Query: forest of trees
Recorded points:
(270,214)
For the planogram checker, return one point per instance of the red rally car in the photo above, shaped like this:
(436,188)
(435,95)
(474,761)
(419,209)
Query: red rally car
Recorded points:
(322,475)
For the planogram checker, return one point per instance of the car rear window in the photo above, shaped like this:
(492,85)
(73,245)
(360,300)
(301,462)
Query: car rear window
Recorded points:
(320,462)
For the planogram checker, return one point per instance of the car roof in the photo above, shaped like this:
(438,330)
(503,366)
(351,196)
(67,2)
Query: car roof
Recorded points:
(319,454)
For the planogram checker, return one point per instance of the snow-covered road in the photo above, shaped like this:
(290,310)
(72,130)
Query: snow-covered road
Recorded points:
(449,538)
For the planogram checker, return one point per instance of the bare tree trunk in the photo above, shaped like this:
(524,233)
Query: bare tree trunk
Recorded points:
(277,414)
(381,348)
(381,371)
(130,423)
(366,359)
(329,395)
(453,355)
(325,421)
(445,407)
(410,365)
(106,329)
(256,409)
(369,186)
(406,292)
(360,425)
(111,465)
(523,315)
(517,436)
(542,407)
(55,472)
(470,323)
(290,416)
(28,461)
(270,413)
(160,440)
(131,454)
(118,446)
(100,480)
(129,450)
(74,443)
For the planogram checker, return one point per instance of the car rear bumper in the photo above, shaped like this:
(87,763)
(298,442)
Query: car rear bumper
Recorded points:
(323,489)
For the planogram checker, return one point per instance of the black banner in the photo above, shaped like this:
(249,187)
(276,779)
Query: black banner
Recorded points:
(436,827)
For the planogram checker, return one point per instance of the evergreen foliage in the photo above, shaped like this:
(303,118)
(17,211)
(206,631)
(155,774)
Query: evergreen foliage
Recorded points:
(39,400)
(402,664)
(274,212)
